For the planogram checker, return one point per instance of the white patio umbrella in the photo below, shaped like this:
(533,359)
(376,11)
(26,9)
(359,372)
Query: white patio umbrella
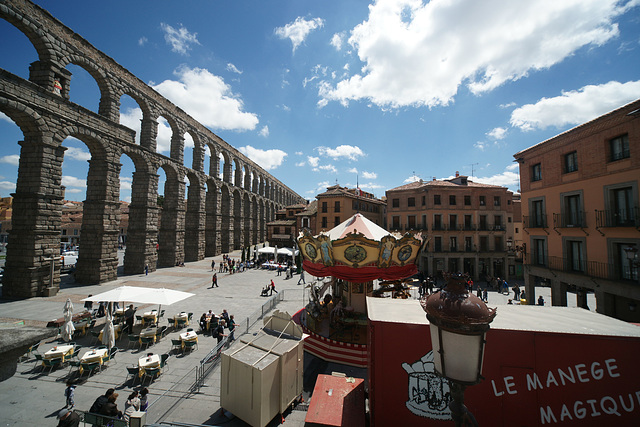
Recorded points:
(121,293)
(67,327)
(109,333)
(160,296)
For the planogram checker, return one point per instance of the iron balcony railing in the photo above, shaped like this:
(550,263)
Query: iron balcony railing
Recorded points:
(618,218)
(577,219)
(601,270)
(535,221)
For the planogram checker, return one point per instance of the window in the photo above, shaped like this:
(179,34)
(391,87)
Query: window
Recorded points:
(437,222)
(305,222)
(453,222)
(496,200)
(626,267)
(619,147)
(483,222)
(276,230)
(622,207)
(539,252)
(483,201)
(411,202)
(436,199)
(336,221)
(497,222)
(437,244)
(497,243)
(411,222)
(467,200)
(452,200)
(324,207)
(424,200)
(575,256)
(395,222)
(324,222)
(536,172)
(290,214)
(571,162)
(395,203)
(468,244)
(64,232)
(336,207)
(468,222)
(424,222)
(484,243)
(537,214)
(572,212)
(287,230)
(75,231)
(453,243)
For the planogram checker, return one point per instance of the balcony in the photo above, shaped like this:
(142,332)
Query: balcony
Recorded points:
(577,219)
(595,269)
(618,218)
(437,227)
(536,221)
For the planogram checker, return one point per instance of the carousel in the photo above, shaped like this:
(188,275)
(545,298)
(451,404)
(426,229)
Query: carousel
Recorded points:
(347,260)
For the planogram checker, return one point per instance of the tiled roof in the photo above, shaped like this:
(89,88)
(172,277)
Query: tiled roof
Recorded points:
(442,183)
(282,222)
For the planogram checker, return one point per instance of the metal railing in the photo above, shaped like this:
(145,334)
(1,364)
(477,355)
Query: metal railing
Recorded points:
(535,221)
(595,269)
(618,218)
(210,361)
(568,220)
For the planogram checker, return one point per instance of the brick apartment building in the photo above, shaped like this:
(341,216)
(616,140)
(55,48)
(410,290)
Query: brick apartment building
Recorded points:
(580,213)
(470,226)
(337,204)
(283,231)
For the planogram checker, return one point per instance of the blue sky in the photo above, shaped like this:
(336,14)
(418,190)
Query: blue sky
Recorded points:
(381,93)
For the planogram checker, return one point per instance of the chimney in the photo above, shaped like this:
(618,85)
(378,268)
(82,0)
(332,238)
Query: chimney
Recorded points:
(457,174)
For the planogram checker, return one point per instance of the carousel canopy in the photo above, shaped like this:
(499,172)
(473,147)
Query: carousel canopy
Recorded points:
(359,251)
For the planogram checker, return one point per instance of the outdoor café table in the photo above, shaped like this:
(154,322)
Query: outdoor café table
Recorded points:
(149,332)
(81,327)
(145,362)
(150,316)
(188,336)
(181,316)
(116,329)
(59,352)
(92,356)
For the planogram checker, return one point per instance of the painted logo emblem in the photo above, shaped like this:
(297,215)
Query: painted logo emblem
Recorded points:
(429,394)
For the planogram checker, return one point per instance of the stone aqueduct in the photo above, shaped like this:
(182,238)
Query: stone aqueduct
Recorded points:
(216,216)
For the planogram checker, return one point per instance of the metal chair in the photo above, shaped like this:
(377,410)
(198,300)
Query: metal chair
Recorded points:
(189,345)
(76,351)
(181,323)
(172,322)
(176,344)
(160,332)
(139,319)
(163,359)
(146,341)
(30,350)
(38,359)
(96,337)
(135,339)
(190,316)
(74,364)
(161,315)
(112,354)
(52,363)
(134,371)
(151,373)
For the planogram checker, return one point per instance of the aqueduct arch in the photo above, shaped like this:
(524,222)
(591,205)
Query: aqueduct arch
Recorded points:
(209,216)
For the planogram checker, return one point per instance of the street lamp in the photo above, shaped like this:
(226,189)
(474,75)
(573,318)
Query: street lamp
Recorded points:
(459,321)
(632,256)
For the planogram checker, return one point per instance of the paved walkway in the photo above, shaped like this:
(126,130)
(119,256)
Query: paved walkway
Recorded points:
(33,398)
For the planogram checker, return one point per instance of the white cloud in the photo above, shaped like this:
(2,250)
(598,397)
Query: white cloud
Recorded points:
(419,53)
(338,40)
(208,99)
(264,131)
(300,164)
(76,153)
(5,118)
(12,159)
(313,161)
(325,168)
(233,69)
(71,181)
(341,151)
(575,107)
(497,133)
(142,41)
(352,170)
(369,175)
(512,167)
(508,178)
(268,159)
(73,190)
(180,39)
(481,145)
(371,186)
(298,153)
(126,183)
(412,178)
(298,30)
(9,186)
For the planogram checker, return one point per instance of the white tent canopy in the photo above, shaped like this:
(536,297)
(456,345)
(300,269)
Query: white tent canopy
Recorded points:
(161,296)
(281,251)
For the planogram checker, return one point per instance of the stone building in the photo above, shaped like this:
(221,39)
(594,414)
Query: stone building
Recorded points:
(283,231)
(221,209)
(580,213)
(469,225)
(339,203)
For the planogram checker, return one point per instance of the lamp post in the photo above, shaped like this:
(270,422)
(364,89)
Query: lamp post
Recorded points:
(458,322)
(632,256)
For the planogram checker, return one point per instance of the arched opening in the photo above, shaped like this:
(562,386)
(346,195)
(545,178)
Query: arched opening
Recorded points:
(163,138)
(226,223)
(194,221)
(16,50)
(237,219)
(83,88)
(131,115)
(188,151)
(212,219)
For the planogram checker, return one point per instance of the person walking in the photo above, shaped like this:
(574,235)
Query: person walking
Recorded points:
(213,264)
(68,418)
(272,288)
(214,281)
(146,269)
(301,277)
(68,393)
(232,327)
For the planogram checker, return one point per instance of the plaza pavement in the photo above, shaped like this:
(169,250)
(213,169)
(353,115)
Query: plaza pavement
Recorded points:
(31,398)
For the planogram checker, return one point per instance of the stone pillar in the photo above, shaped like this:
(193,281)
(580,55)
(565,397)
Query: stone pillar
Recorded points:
(214,164)
(246,219)
(195,223)
(142,232)
(530,288)
(238,176)
(227,172)
(149,134)
(226,220)
(237,221)
(177,147)
(171,234)
(558,293)
(247,180)
(49,76)
(34,239)
(198,156)
(255,222)
(212,222)
(98,257)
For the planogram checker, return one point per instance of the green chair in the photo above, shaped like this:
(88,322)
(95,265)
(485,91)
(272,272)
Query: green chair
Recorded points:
(90,367)
(189,345)
(76,351)
(151,373)
(176,344)
(147,341)
(52,363)
(39,359)
(134,371)
(163,359)
(133,339)
(30,351)
(96,337)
